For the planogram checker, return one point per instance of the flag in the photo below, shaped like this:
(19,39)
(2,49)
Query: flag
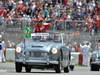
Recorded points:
(27,31)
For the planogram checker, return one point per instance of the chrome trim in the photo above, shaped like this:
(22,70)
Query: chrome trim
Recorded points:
(37,61)
(19,60)
(96,62)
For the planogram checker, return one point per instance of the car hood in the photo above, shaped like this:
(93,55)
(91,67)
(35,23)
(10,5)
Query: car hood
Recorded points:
(97,52)
(44,46)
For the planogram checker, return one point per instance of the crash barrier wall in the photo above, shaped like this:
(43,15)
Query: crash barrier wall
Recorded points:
(75,56)
(10,54)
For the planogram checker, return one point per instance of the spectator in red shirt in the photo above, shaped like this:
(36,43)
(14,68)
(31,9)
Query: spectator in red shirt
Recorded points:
(98,22)
(39,26)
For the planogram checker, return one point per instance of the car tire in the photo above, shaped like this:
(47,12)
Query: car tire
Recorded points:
(27,69)
(94,67)
(71,67)
(66,69)
(18,67)
(58,67)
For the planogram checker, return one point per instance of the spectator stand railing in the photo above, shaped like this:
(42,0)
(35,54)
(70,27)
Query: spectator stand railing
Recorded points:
(74,30)
(16,24)
(68,25)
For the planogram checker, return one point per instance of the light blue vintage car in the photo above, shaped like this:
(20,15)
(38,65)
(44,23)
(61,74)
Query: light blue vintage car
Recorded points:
(42,51)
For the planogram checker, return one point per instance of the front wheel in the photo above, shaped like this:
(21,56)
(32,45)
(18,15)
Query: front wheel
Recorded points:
(58,67)
(28,69)
(18,67)
(66,69)
(71,67)
(94,67)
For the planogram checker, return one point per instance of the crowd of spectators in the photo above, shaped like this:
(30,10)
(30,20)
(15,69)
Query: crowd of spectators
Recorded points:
(56,12)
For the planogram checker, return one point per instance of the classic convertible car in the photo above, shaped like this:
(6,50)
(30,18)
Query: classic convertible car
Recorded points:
(42,51)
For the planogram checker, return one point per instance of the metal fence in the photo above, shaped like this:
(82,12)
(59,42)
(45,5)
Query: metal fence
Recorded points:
(75,31)
(16,24)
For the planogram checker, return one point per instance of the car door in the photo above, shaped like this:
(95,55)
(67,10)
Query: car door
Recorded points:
(65,56)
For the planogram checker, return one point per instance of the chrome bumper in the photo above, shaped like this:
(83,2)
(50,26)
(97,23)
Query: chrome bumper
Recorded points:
(96,62)
(36,62)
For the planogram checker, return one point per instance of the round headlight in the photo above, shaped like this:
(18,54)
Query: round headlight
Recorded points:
(54,51)
(18,49)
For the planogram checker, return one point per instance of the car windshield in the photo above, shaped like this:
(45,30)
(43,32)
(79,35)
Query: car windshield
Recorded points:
(46,37)
(97,53)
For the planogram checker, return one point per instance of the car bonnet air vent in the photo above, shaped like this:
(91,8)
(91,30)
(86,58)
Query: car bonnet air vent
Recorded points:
(37,46)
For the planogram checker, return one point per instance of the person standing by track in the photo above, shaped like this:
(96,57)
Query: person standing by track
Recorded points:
(2,50)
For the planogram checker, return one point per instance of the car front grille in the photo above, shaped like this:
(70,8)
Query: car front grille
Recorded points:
(35,54)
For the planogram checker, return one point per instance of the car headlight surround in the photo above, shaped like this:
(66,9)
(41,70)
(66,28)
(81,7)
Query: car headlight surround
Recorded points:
(18,49)
(54,51)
